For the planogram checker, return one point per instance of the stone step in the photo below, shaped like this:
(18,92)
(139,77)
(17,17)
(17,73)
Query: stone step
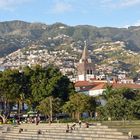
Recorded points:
(63,129)
(56,137)
(49,127)
(79,131)
(53,138)
(58,132)
(59,125)
(44,134)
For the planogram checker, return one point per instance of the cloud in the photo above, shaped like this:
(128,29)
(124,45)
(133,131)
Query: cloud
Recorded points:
(61,7)
(119,3)
(11,4)
(127,3)
(137,23)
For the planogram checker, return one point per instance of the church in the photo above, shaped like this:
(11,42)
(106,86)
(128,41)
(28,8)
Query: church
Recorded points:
(86,78)
(85,67)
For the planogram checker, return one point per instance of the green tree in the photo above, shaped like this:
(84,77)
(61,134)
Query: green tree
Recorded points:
(109,91)
(68,107)
(121,104)
(10,87)
(78,103)
(91,105)
(49,81)
(102,113)
(119,108)
(49,107)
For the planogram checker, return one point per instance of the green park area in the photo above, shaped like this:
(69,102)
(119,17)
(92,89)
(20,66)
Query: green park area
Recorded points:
(125,127)
(51,94)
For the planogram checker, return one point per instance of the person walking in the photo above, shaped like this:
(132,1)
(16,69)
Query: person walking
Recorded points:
(80,123)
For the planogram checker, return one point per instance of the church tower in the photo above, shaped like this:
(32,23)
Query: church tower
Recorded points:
(85,67)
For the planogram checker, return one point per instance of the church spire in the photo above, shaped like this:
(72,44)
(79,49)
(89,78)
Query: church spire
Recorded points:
(85,67)
(85,54)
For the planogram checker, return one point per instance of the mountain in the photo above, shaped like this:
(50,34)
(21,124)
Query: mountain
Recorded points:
(19,34)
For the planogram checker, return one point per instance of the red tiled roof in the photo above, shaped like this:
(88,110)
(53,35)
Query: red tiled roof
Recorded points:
(83,83)
(102,85)
(99,86)
(131,86)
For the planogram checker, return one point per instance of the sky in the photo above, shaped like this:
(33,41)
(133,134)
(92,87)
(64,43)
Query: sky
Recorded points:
(100,13)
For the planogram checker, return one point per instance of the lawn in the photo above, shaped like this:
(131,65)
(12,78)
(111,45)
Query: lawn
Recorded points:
(133,125)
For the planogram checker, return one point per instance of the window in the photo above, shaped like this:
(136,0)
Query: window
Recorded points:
(88,71)
(91,72)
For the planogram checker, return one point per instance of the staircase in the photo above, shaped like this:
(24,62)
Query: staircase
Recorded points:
(57,131)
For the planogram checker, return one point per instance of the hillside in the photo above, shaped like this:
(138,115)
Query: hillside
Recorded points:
(20,34)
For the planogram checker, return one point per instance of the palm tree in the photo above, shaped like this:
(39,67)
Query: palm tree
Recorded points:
(109,91)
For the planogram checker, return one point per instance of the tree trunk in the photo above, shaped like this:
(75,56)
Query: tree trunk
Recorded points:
(3,119)
(73,115)
(78,116)
(23,106)
(2,106)
(5,107)
(8,108)
(51,114)
(19,108)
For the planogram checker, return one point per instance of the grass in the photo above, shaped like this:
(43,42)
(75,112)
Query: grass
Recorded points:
(125,127)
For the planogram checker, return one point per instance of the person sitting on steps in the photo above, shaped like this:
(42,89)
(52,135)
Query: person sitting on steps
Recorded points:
(39,132)
(73,126)
(86,125)
(20,130)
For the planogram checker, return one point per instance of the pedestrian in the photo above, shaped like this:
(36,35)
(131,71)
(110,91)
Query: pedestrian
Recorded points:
(80,123)
(130,134)
(37,120)
(18,121)
(67,130)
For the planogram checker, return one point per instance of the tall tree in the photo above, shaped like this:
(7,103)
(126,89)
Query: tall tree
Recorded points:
(78,103)
(10,87)
(122,104)
(49,81)
(49,107)
(91,105)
